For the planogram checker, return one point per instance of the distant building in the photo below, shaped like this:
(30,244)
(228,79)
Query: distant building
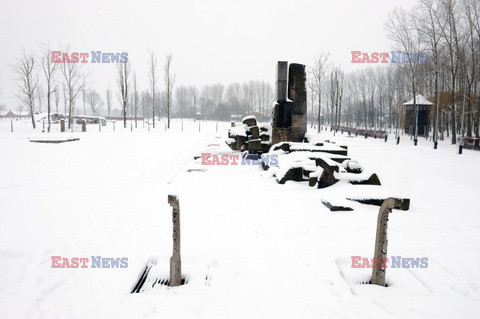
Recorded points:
(9,115)
(423,106)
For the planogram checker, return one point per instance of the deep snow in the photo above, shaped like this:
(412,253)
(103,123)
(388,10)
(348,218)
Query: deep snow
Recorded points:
(251,248)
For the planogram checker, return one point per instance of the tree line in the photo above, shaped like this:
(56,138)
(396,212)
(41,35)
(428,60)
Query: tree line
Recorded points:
(448,33)
(161,98)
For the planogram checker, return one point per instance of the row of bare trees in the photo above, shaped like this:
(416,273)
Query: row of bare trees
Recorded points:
(27,72)
(448,33)
(216,102)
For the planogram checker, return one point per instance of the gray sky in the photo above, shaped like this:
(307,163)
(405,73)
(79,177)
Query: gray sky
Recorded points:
(211,41)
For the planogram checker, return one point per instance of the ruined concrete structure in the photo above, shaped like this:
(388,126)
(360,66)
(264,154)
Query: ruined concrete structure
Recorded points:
(175,260)
(381,241)
(290,114)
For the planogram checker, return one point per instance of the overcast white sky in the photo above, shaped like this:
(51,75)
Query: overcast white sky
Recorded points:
(211,41)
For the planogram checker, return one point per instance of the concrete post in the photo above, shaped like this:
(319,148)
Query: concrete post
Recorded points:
(11,126)
(62,125)
(381,241)
(298,94)
(281,84)
(175,261)
(289,121)
(84,126)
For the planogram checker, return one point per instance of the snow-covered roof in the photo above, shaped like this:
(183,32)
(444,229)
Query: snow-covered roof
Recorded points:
(420,100)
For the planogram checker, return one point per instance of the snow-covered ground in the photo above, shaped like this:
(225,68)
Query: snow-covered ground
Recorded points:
(251,248)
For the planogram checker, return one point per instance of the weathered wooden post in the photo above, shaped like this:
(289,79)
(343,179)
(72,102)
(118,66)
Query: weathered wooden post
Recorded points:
(84,126)
(62,125)
(175,261)
(381,241)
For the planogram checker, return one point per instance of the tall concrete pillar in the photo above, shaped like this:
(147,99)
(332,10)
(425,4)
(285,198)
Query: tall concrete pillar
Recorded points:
(381,241)
(290,111)
(175,261)
(282,79)
(298,95)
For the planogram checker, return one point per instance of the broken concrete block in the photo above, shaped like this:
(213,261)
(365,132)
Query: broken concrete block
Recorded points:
(264,137)
(352,167)
(240,140)
(232,143)
(372,180)
(326,179)
(293,174)
(336,208)
(266,146)
(255,132)
(255,145)
(249,120)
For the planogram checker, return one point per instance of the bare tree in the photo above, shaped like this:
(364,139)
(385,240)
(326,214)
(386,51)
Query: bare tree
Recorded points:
(312,96)
(431,27)
(319,70)
(84,100)
(153,77)
(57,98)
(401,29)
(193,92)
(27,80)
(108,98)
(49,70)
(39,95)
(169,79)
(182,100)
(74,84)
(472,13)
(65,99)
(135,97)
(94,100)
(122,81)
(455,51)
